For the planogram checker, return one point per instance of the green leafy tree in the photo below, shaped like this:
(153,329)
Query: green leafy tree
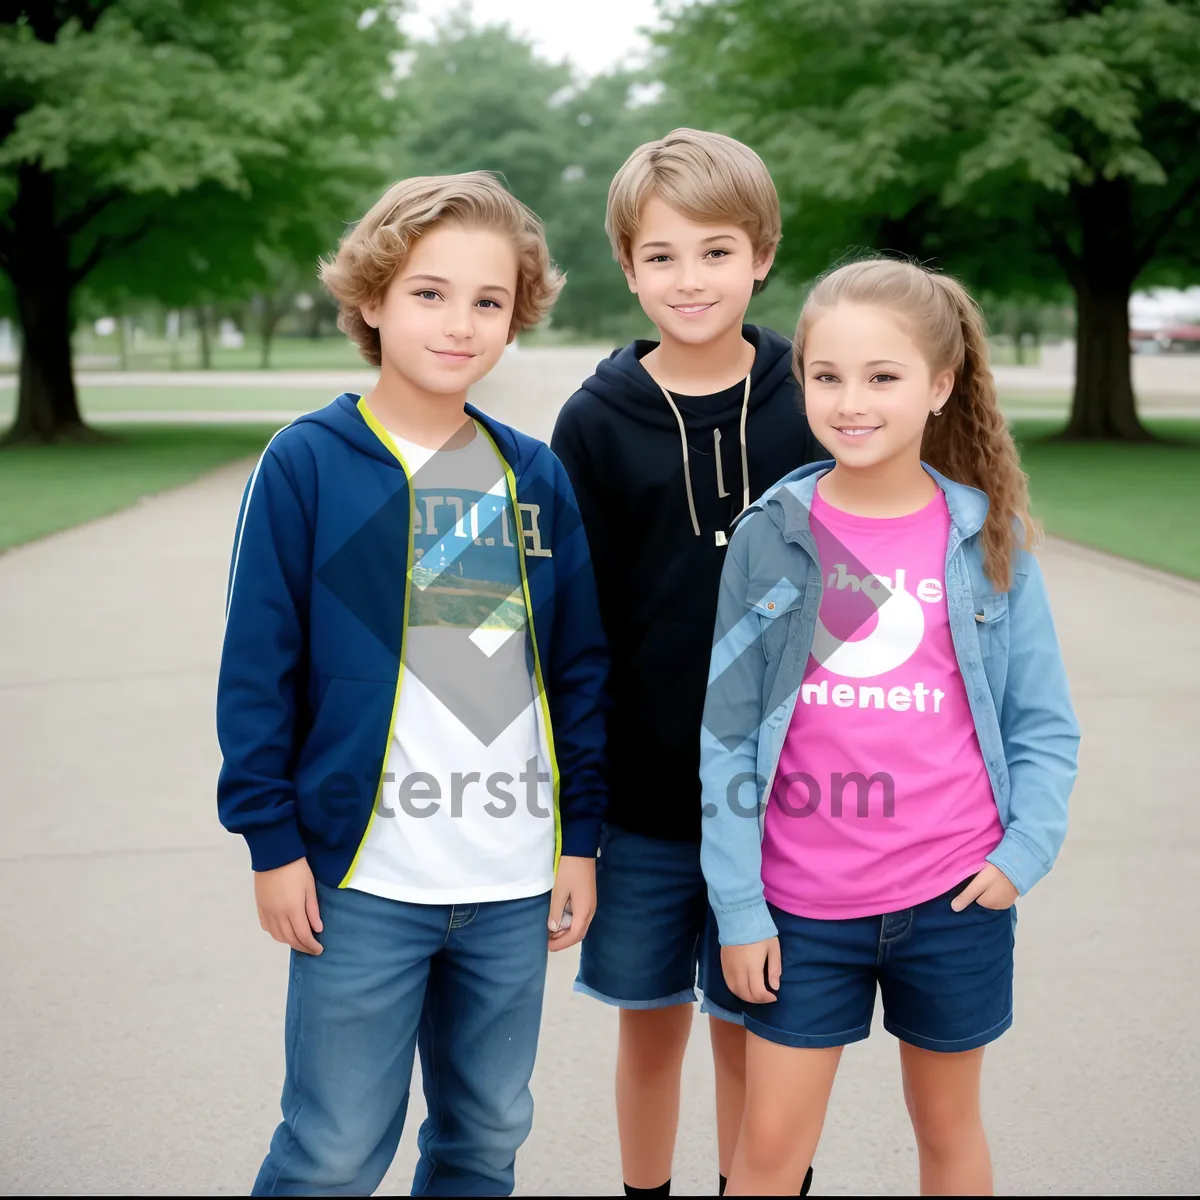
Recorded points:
(484,100)
(174,149)
(603,123)
(1019,143)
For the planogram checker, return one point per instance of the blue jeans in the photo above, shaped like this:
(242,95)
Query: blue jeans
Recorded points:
(464,983)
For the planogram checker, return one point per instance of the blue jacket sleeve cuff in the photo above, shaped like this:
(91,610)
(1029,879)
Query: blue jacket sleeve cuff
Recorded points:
(1020,864)
(745,926)
(275,846)
(581,837)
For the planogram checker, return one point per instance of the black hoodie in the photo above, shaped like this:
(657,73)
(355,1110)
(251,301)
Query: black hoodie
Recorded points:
(658,509)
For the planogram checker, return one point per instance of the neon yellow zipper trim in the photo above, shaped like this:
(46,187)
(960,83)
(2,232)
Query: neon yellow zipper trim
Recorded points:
(383,435)
(511,481)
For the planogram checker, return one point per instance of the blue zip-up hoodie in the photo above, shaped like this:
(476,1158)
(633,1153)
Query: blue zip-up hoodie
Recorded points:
(1007,651)
(316,618)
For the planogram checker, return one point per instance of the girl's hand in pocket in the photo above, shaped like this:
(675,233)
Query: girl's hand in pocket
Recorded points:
(991,888)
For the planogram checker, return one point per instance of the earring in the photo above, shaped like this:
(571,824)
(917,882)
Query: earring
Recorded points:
(937,412)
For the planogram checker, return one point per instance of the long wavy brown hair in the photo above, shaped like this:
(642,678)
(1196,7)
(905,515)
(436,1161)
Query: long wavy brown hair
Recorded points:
(970,442)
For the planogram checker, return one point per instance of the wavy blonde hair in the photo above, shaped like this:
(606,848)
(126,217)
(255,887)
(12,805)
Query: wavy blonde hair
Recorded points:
(369,256)
(970,442)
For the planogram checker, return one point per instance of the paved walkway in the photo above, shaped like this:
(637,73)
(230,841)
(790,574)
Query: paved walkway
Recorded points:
(1166,375)
(1188,410)
(1168,387)
(1163,378)
(141,1008)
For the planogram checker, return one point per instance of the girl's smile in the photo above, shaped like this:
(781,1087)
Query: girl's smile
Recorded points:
(868,390)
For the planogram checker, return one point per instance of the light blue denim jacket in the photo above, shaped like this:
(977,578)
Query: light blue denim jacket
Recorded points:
(1007,651)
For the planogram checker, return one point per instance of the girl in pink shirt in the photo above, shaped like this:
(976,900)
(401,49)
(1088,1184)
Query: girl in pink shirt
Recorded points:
(887,677)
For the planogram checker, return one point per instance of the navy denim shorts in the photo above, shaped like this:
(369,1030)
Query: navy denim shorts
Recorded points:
(946,977)
(653,936)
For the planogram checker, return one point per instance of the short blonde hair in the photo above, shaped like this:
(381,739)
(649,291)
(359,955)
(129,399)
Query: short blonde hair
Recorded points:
(708,177)
(369,256)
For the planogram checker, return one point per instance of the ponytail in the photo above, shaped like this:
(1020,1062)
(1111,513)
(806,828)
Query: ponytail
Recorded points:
(971,443)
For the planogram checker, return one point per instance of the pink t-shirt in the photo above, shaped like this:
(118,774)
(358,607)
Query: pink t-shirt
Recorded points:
(889,802)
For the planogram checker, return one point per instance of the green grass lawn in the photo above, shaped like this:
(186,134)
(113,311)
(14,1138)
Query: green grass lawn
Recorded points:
(1139,501)
(155,354)
(47,488)
(1142,502)
(328,353)
(94,401)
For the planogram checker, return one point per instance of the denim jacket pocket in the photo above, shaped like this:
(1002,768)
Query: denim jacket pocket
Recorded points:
(772,597)
(775,614)
(991,624)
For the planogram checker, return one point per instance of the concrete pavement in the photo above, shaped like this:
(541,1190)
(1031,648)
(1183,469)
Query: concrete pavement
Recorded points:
(1167,385)
(141,1008)
(1188,410)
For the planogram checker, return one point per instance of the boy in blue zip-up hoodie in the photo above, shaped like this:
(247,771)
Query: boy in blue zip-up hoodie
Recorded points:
(410,710)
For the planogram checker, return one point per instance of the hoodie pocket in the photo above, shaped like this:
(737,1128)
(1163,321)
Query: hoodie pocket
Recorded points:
(339,765)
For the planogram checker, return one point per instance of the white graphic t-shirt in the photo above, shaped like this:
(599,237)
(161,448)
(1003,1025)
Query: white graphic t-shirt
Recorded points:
(465,813)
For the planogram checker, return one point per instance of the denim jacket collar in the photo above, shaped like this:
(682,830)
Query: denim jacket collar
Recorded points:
(789,502)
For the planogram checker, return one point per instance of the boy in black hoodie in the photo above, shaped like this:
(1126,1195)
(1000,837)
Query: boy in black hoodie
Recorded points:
(665,446)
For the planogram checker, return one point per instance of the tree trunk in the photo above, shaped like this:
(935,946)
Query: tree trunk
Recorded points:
(271,316)
(1104,406)
(205,340)
(313,326)
(40,272)
(123,341)
(47,404)
(172,334)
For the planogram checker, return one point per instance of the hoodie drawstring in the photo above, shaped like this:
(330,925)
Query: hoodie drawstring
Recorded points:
(687,470)
(745,453)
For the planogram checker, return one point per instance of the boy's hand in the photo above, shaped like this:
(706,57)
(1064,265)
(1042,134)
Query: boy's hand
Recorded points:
(743,967)
(287,905)
(576,882)
(991,888)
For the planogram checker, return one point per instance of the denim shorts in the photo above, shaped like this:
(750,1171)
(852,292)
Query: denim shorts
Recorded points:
(653,938)
(946,977)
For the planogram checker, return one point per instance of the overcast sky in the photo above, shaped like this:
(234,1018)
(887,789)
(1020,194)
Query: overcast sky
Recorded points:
(592,34)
